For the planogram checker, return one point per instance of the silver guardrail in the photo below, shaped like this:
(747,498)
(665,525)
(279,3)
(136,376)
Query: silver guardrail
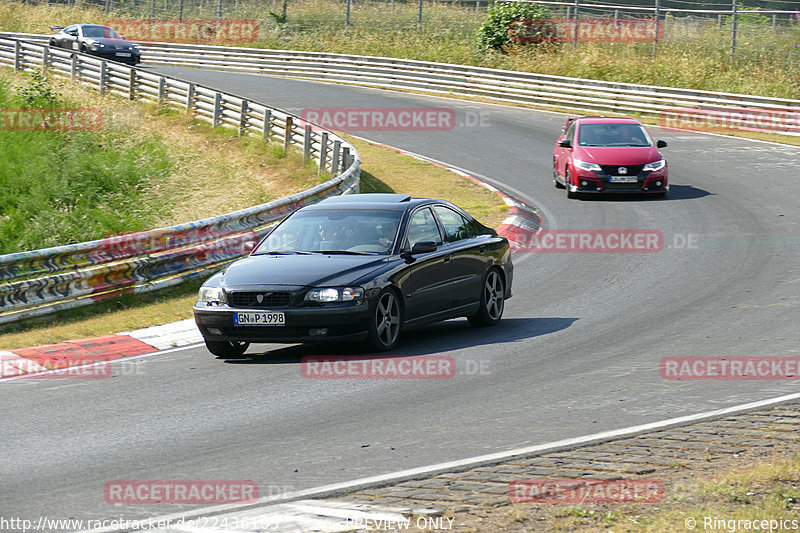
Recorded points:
(544,91)
(42,281)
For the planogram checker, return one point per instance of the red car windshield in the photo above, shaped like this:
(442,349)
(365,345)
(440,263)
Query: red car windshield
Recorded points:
(613,135)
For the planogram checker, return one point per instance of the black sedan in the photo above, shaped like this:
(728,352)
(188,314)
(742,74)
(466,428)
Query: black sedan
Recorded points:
(357,267)
(100,41)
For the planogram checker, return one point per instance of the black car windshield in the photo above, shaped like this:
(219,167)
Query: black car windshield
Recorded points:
(100,31)
(613,135)
(348,231)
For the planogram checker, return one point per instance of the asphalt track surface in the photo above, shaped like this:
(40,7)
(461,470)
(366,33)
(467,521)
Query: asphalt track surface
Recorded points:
(577,352)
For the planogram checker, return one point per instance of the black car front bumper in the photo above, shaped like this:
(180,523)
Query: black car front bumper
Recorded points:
(303,324)
(113,55)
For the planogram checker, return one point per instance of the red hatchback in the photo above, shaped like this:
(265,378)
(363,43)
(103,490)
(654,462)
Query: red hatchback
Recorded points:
(608,155)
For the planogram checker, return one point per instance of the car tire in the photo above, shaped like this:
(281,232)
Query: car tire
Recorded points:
(492,300)
(227,348)
(53,43)
(568,180)
(385,321)
(557,183)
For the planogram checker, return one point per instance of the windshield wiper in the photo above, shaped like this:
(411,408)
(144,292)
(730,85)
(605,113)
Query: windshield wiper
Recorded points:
(282,252)
(345,252)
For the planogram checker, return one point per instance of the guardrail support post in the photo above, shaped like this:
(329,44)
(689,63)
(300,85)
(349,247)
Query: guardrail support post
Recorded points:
(102,81)
(190,99)
(45,60)
(217,109)
(243,118)
(323,152)
(345,158)
(337,146)
(17,55)
(162,90)
(132,85)
(306,143)
(73,68)
(266,128)
(287,136)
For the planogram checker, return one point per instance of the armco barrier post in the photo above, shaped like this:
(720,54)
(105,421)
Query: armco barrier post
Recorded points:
(102,80)
(73,68)
(287,136)
(323,152)
(17,55)
(266,126)
(190,99)
(45,60)
(243,118)
(306,143)
(132,85)
(162,90)
(345,158)
(337,146)
(217,109)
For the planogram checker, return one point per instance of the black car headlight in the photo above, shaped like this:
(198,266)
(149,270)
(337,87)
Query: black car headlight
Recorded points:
(334,294)
(211,296)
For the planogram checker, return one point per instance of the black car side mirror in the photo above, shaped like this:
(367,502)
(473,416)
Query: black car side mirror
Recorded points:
(566,143)
(661,144)
(423,247)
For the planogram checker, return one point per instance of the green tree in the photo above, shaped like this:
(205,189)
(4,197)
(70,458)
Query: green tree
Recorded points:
(502,17)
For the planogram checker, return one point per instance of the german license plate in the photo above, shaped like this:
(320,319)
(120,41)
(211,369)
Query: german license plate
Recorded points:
(124,54)
(261,318)
(623,179)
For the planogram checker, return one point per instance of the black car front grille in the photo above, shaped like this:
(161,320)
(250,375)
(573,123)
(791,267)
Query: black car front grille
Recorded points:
(613,170)
(277,332)
(267,299)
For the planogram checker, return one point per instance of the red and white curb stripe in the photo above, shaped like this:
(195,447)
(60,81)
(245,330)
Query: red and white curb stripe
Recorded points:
(107,348)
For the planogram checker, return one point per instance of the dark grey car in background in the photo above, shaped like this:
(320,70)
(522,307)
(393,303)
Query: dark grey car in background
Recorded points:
(97,40)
